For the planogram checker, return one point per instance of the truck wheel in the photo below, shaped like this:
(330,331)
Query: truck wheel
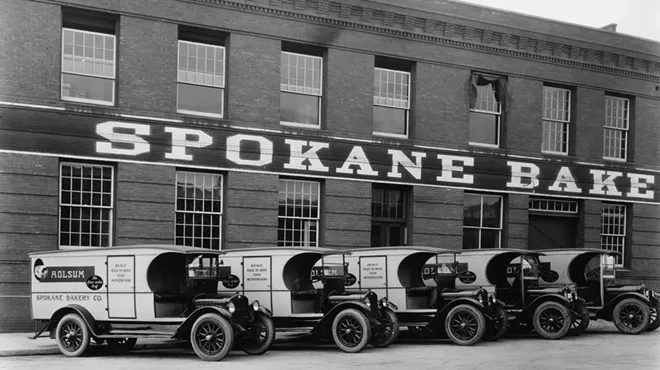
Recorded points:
(499,325)
(212,337)
(465,325)
(351,330)
(261,336)
(631,316)
(654,323)
(72,335)
(389,332)
(581,321)
(552,320)
(121,345)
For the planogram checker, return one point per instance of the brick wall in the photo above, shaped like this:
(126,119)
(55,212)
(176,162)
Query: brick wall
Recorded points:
(347,214)
(437,217)
(516,227)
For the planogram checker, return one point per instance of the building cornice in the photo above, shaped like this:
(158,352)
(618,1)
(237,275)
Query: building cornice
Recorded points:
(454,34)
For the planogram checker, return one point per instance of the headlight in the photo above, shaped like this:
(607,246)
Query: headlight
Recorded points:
(231,307)
(383,302)
(367,302)
(492,299)
(652,293)
(255,305)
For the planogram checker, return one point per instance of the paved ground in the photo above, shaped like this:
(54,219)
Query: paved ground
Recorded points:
(600,348)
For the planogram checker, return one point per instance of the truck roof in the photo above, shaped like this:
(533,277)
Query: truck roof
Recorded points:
(127,249)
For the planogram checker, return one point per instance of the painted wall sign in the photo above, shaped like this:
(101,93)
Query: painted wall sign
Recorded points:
(430,270)
(120,273)
(256,271)
(278,152)
(94,282)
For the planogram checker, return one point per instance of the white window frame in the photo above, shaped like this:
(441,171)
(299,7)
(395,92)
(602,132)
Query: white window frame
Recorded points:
(307,229)
(497,114)
(553,205)
(555,118)
(612,110)
(224,78)
(284,88)
(196,212)
(406,103)
(111,207)
(481,221)
(612,236)
(114,69)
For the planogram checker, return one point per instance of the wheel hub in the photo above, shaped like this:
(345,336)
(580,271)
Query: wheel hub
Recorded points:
(208,337)
(631,316)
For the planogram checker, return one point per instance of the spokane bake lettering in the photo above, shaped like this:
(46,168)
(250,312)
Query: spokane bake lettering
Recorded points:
(276,153)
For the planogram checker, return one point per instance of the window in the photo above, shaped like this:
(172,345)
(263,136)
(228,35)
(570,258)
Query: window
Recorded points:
(388,216)
(482,221)
(201,79)
(613,229)
(486,100)
(553,205)
(301,89)
(556,120)
(86,204)
(391,102)
(298,215)
(88,58)
(198,209)
(615,145)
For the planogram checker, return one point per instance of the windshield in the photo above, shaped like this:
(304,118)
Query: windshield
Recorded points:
(530,267)
(608,265)
(202,266)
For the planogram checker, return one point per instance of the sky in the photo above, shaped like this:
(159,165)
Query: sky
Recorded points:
(639,18)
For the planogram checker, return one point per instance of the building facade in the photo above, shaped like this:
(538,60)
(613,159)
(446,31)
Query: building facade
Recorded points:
(226,124)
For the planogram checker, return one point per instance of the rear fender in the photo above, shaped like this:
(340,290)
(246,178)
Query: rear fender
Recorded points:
(183,331)
(73,308)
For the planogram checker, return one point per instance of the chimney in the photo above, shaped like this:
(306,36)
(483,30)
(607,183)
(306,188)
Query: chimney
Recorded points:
(610,27)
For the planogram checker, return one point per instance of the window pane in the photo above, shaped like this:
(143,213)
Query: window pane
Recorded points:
(298,213)
(484,128)
(471,210)
(390,120)
(492,211)
(470,238)
(299,108)
(490,238)
(301,73)
(200,99)
(88,88)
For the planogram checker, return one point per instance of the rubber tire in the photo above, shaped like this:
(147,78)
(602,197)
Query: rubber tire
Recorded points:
(224,325)
(646,316)
(384,341)
(75,319)
(580,323)
(654,322)
(497,331)
(364,323)
(121,345)
(481,325)
(565,312)
(266,323)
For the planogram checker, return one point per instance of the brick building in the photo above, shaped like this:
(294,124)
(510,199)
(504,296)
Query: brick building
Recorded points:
(224,124)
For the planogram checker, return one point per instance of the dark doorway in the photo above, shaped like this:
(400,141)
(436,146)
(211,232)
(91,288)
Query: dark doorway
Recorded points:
(547,232)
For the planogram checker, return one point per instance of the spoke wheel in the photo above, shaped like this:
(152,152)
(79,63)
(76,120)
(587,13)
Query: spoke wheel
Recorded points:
(581,321)
(631,316)
(212,337)
(499,325)
(72,335)
(552,320)
(351,330)
(465,325)
(654,323)
(261,335)
(389,330)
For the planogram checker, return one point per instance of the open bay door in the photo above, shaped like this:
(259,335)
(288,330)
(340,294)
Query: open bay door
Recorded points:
(121,287)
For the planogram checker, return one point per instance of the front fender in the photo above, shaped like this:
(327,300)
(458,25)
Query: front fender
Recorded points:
(549,297)
(438,320)
(73,308)
(327,319)
(265,311)
(184,329)
(609,307)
